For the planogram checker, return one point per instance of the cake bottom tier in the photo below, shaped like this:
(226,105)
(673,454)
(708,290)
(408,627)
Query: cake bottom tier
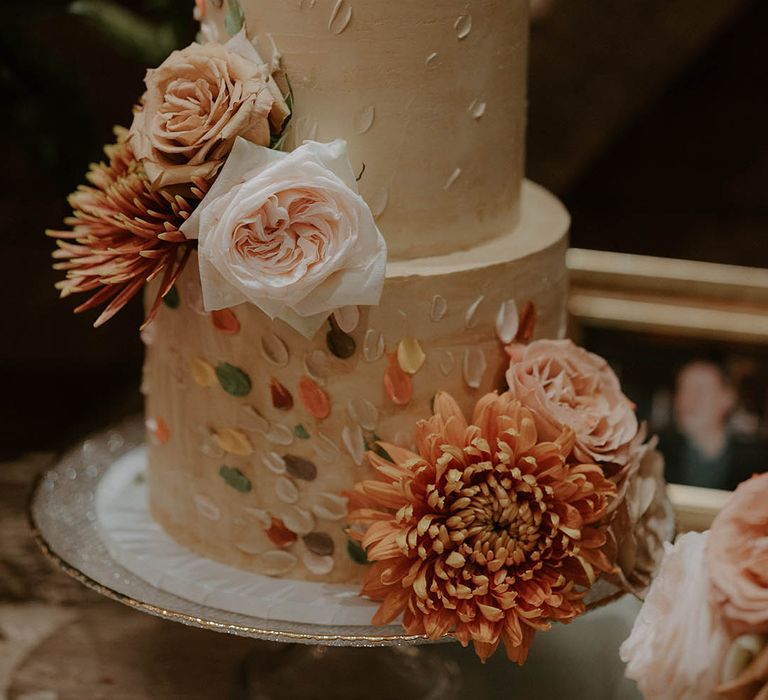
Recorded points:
(255,431)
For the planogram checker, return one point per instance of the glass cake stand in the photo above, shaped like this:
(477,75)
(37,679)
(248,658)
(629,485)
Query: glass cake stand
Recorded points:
(291,659)
(298,660)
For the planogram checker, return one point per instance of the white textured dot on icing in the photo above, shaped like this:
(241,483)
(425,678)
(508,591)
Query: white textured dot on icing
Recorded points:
(274,462)
(318,564)
(347,318)
(378,203)
(470,319)
(507,321)
(275,350)
(373,345)
(363,412)
(439,308)
(446,361)
(475,365)
(463,26)
(364,120)
(330,506)
(206,445)
(452,178)
(277,562)
(325,448)
(303,4)
(477,109)
(207,508)
(259,515)
(318,364)
(433,60)
(298,520)
(354,442)
(148,334)
(286,490)
(280,434)
(250,419)
(341,16)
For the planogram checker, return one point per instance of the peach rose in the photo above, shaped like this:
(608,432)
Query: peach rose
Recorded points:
(197,103)
(289,233)
(737,558)
(678,643)
(564,385)
(644,519)
(745,671)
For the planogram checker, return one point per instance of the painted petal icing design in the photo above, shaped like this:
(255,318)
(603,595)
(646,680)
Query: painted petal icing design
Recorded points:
(410,355)
(398,384)
(281,397)
(315,400)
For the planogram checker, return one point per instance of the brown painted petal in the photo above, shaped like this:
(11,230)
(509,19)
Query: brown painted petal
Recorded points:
(281,397)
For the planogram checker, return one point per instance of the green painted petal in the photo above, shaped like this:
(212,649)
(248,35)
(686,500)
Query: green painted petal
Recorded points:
(233,380)
(236,479)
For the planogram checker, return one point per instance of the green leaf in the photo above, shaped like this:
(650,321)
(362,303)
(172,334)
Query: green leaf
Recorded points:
(357,553)
(172,300)
(235,17)
(233,380)
(236,479)
(301,432)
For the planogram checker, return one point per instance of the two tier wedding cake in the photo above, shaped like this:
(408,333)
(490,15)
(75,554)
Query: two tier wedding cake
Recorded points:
(349,285)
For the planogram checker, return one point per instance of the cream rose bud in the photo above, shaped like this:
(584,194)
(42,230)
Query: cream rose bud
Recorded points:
(197,103)
(289,233)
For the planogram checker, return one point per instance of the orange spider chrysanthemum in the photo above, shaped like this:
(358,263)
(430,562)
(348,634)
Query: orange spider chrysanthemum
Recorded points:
(123,234)
(486,532)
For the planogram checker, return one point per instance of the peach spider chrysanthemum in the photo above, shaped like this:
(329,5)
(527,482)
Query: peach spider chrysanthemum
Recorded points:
(123,234)
(486,532)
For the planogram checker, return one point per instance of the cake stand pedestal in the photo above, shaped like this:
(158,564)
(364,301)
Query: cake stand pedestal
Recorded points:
(307,661)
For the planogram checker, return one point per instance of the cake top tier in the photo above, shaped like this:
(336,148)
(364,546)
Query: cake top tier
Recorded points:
(430,97)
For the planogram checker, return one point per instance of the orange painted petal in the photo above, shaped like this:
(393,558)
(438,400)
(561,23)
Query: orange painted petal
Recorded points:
(315,400)
(225,321)
(397,383)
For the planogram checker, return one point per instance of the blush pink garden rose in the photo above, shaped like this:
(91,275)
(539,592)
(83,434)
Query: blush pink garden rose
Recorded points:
(737,558)
(197,103)
(564,385)
(678,643)
(289,233)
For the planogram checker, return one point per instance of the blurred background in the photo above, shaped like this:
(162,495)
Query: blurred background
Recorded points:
(647,117)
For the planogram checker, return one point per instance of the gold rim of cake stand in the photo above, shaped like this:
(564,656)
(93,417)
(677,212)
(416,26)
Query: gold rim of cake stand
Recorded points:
(265,632)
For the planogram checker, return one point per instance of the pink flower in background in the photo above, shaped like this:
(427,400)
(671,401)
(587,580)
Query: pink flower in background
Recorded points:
(564,385)
(197,103)
(289,233)
(737,558)
(678,642)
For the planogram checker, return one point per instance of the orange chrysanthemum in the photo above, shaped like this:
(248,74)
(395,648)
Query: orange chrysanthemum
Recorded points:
(486,532)
(123,234)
